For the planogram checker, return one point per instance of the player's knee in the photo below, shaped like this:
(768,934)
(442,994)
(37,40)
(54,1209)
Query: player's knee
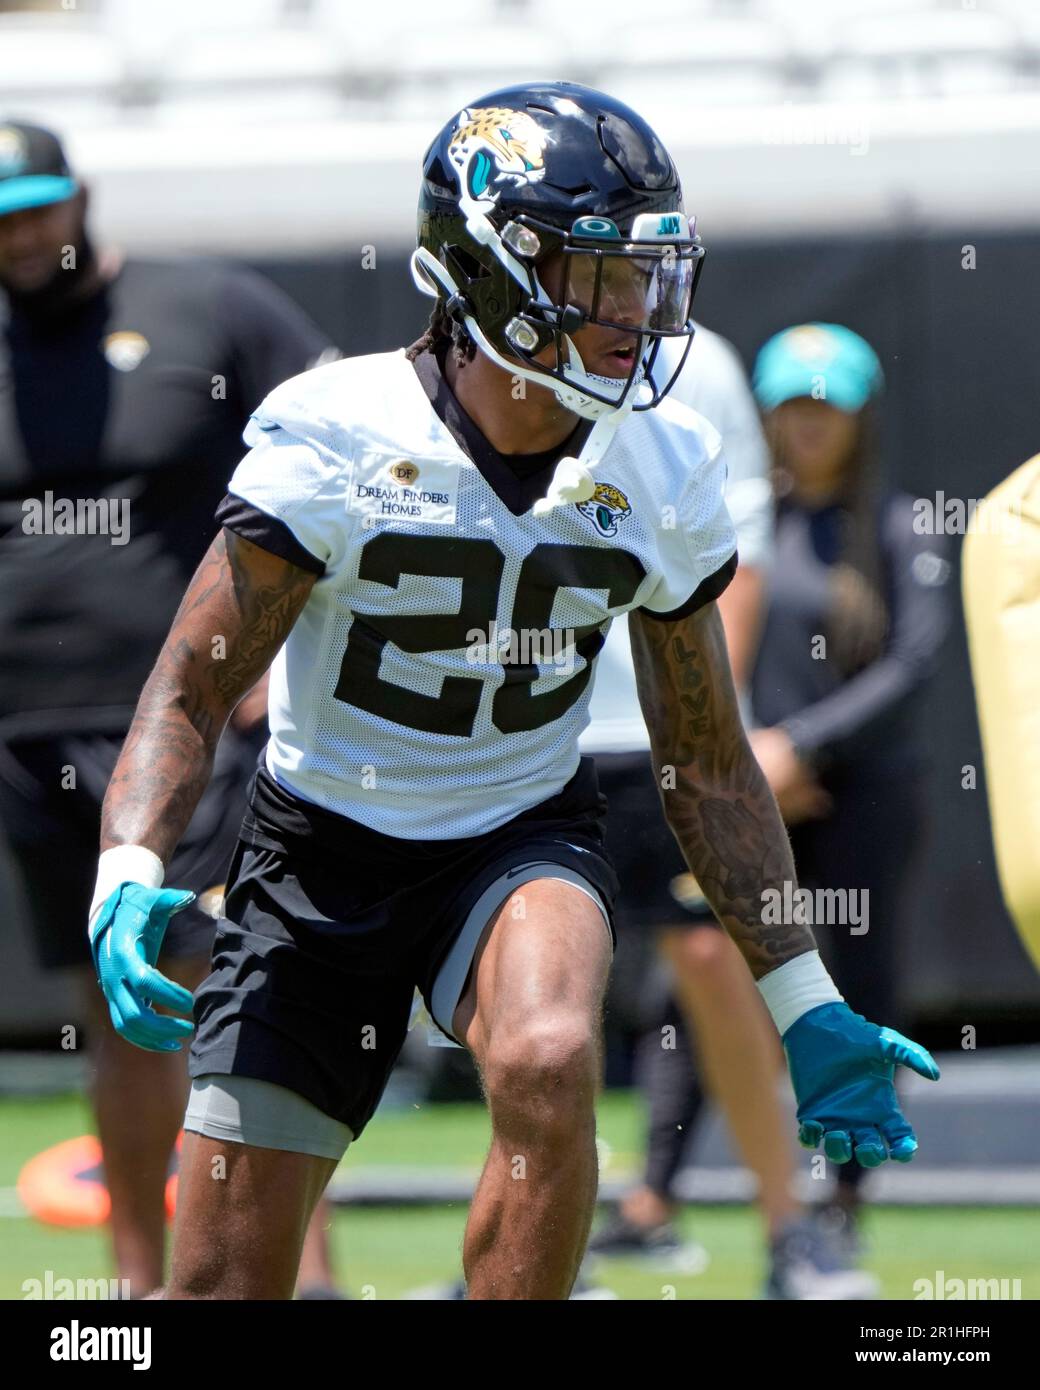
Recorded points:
(545,1073)
(231,1267)
(222,1284)
(200,1281)
(202,1268)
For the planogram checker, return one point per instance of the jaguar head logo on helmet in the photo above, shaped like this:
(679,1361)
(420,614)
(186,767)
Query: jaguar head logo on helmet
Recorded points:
(495,146)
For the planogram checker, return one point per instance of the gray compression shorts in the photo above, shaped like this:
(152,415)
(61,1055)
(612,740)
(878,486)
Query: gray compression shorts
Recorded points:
(245,1110)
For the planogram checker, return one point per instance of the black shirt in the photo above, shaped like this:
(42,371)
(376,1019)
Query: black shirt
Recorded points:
(870,720)
(134,403)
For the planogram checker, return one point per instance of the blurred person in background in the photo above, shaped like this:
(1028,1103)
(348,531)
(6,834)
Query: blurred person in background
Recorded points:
(715,998)
(858,610)
(124,386)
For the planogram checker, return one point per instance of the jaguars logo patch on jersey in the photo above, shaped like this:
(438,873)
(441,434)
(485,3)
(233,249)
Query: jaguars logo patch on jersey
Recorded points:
(606,508)
(495,145)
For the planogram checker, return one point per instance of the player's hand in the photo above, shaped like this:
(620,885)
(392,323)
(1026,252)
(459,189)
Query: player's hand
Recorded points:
(842,1069)
(125,942)
(793,783)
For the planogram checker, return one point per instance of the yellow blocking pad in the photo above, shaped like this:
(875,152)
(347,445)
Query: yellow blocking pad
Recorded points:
(1001,591)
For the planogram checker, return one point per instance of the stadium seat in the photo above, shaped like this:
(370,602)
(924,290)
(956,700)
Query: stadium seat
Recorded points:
(924,53)
(263,58)
(373,39)
(612,16)
(144,29)
(433,73)
(724,62)
(303,105)
(236,41)
(57,54)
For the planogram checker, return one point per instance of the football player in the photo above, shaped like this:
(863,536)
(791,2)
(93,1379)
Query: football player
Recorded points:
(430,547)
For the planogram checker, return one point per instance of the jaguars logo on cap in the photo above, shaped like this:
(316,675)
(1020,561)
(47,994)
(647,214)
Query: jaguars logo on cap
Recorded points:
(810,343)
(13,152)
(606,508)
(126,350)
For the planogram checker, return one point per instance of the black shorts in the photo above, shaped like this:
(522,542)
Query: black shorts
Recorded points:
(657,889)
(330,927)
(53,832)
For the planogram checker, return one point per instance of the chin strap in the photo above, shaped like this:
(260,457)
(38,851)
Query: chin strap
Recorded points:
(432,278)
(572,480)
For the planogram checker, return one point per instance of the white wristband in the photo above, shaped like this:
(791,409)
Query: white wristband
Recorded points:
(124,864)
(796,987)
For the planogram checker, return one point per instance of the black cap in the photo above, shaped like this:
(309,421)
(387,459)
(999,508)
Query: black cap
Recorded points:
(33,168)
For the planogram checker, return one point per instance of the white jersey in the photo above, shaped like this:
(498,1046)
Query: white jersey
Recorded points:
(712,382)
(437,680)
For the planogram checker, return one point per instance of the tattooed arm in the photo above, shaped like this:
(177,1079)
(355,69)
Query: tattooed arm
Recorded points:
(726,821)
(250,599)
(720,808)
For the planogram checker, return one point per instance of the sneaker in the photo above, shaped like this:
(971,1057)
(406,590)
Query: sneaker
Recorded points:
(660,1247)
(440,1292)
(807,1263)
(841,1227)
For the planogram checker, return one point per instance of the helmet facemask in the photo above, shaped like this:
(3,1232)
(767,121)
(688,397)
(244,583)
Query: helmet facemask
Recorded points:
(641,287)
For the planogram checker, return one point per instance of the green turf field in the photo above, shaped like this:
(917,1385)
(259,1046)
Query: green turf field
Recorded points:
(384,1252)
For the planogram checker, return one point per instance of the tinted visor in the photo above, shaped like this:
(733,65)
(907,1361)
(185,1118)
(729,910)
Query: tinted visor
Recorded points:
(631,287)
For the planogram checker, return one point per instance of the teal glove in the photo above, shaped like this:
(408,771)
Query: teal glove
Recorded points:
(842,1069)
(125,942)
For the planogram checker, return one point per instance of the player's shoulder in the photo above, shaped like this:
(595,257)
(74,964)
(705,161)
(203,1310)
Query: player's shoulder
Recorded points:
(671,456)
(212,293)
(203,275)
(173,290)
(338,398)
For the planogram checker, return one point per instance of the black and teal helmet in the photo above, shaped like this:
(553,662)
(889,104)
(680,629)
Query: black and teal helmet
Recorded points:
(529,171)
